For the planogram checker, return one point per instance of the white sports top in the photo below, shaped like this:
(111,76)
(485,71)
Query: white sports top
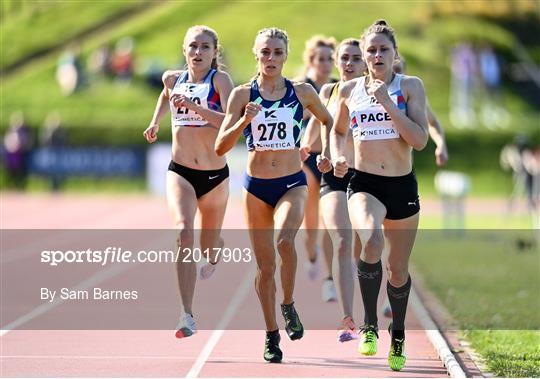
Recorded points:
(369,119)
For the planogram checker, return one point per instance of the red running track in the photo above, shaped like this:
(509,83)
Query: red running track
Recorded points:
(156,353)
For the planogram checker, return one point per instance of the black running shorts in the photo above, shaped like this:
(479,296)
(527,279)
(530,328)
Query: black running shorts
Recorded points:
(399,194)
(203,181)
(331,183)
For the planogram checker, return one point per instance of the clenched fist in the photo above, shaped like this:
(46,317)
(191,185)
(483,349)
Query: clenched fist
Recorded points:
(323,163)
(379,90)
(251,111)
(340,167)
(150,134)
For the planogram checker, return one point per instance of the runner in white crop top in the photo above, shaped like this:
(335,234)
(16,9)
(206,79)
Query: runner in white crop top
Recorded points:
(387,114)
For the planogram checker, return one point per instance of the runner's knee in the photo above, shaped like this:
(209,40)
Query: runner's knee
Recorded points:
(185,235)
(374,246)
(285,246)
(398,273)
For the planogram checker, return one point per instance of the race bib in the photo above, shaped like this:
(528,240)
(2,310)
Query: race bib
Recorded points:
(272,129)
(198,93)
(373,123)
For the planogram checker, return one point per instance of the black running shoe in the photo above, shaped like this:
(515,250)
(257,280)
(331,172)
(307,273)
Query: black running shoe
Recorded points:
(293,326)
(272,352)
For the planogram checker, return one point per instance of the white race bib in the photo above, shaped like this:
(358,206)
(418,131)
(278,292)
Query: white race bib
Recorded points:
(198,93)
(272,129)
(374,123)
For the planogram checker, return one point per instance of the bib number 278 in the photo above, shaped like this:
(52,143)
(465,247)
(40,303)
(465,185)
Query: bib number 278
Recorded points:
(268,131)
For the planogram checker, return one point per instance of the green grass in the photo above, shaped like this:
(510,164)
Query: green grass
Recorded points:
(508,353)
(481,276)
(490,286)
(501,221)
(489,182)
(158,32)
(39,25)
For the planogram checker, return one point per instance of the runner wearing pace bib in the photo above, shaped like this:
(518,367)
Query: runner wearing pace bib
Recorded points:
(369,120)
(383,192)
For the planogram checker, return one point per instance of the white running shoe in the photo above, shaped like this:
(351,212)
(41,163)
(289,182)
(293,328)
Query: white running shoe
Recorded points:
(329,291)
(186,326)
(207,270)
(313,268)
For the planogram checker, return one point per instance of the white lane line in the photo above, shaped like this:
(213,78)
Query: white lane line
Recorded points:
(234,305)
(435,337)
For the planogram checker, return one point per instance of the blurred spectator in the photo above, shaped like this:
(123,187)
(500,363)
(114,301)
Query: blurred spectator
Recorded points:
(463,69)
(493,114)
(122,60)
(153,72)
(69,73)
(489,68)
(531,163)
(54,137)
(99,62)
(17,146)
(514,156)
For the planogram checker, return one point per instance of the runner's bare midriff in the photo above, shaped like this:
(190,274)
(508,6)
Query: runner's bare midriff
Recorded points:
(383,157)
(273,164)
(193,147)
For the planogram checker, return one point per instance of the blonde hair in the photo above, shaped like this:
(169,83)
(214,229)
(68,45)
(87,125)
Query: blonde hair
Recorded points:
(312,44)
(216,63)
(272,32)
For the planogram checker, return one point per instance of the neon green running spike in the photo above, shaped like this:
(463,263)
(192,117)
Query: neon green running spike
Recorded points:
(368,340)
(396,357)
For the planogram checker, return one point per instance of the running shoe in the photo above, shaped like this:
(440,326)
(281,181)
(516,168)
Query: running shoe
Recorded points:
(348,330)
(293,326)
(313,267)
(396,357)
(186,326)
(272,352)
(207,270)
(328,291)
(368,340)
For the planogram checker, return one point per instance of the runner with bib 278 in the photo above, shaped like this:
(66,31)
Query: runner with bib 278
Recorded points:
(269,112)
